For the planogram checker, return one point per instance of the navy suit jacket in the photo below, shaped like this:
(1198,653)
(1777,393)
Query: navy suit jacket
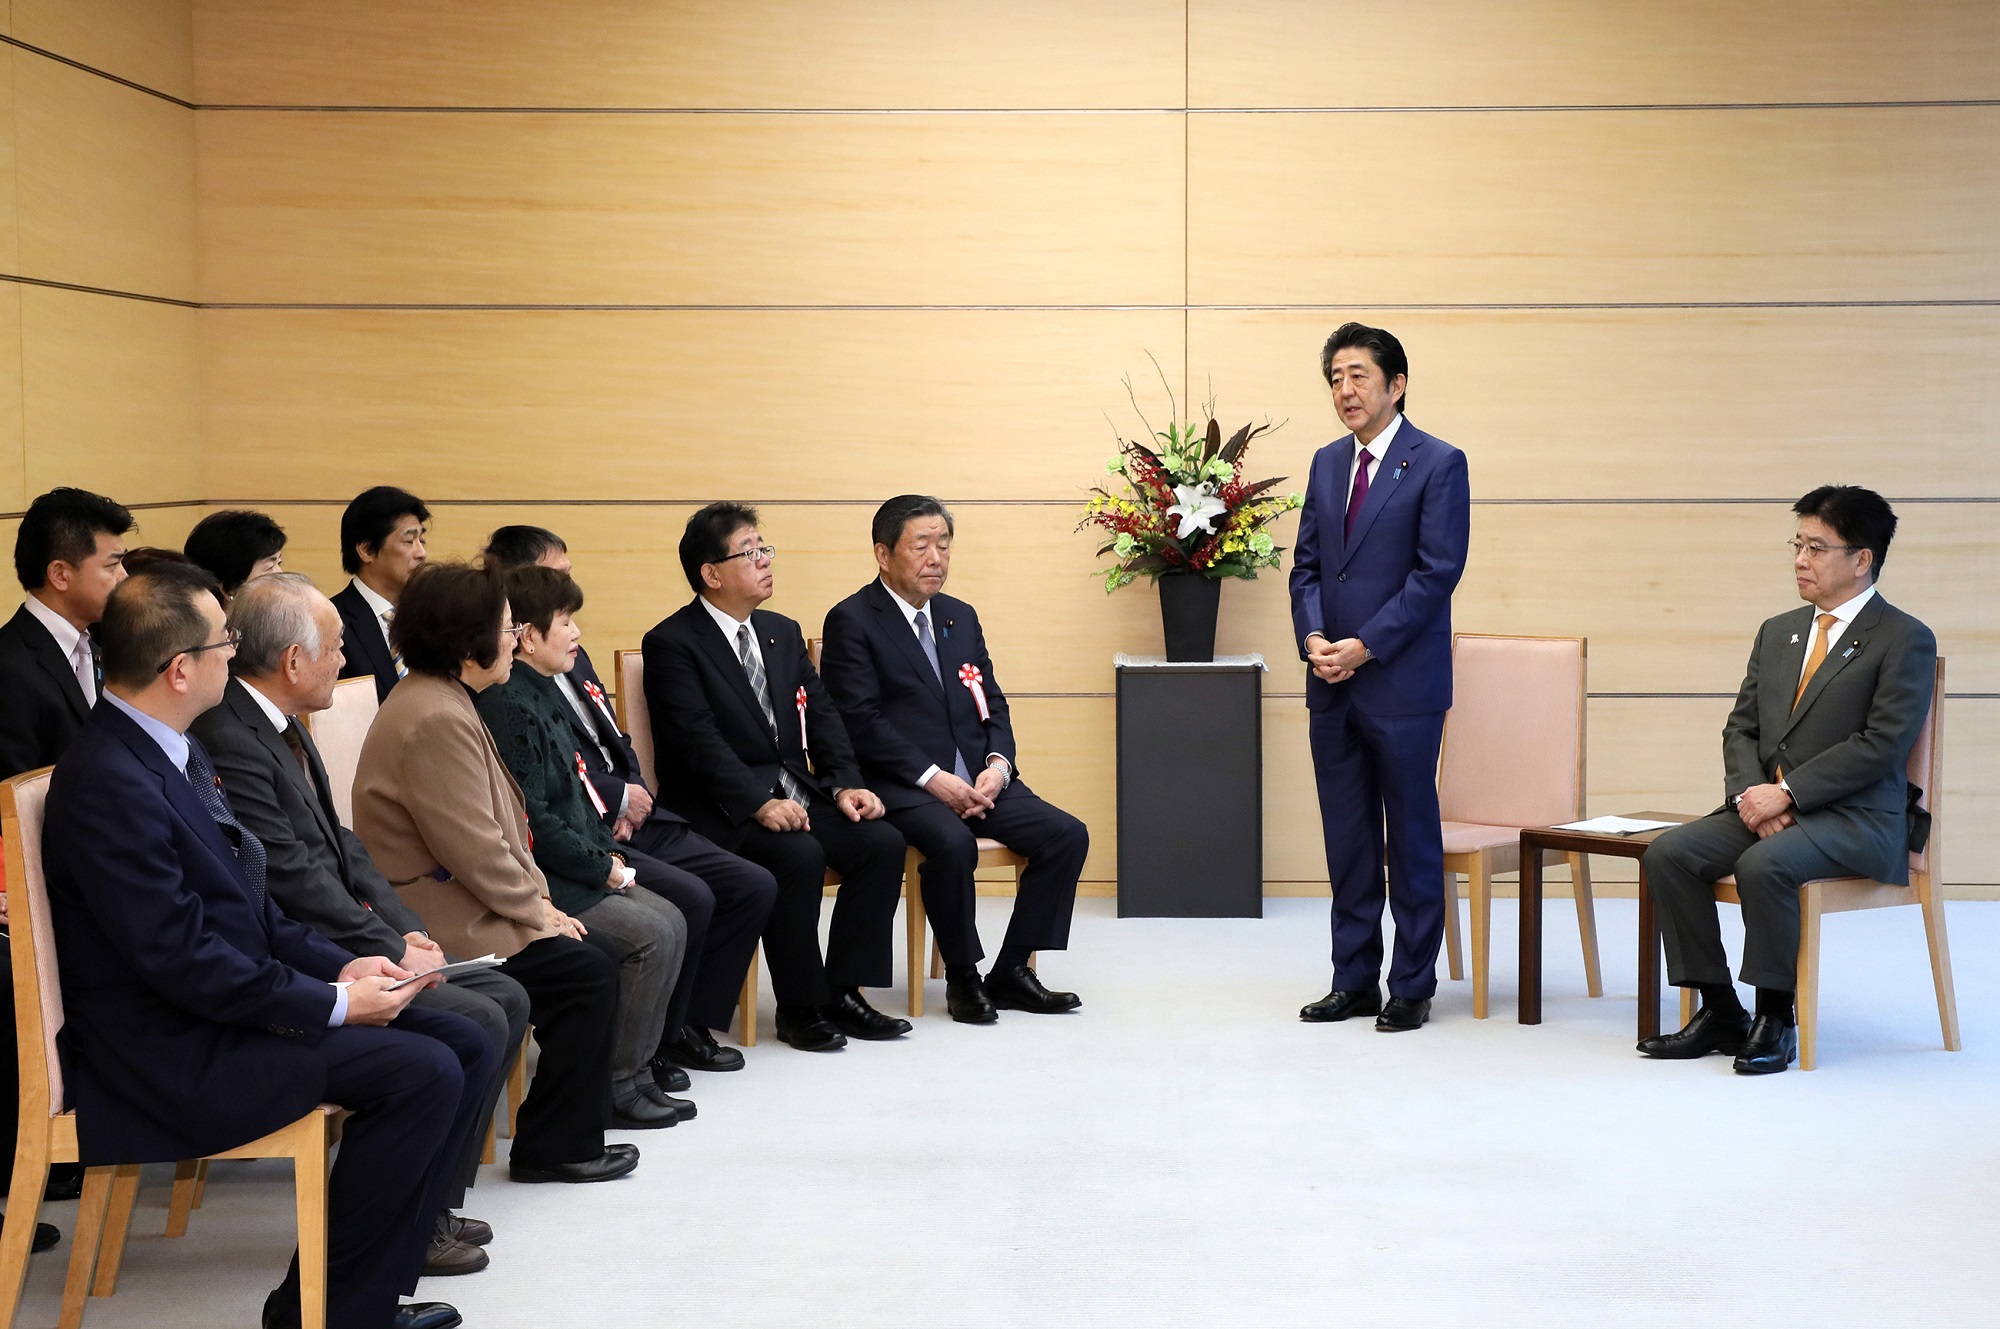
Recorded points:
(1391,584)
(717,759)
(367,650)
(42,709)
(902,718)
(193,1008)
(608,779)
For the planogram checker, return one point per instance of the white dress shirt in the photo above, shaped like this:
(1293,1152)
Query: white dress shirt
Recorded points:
(910,613)
(1374,451)
(582,709)
(74,645)
(1843,619)
(384,611)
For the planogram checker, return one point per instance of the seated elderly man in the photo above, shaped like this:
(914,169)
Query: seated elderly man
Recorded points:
(287,661)
(201,1018)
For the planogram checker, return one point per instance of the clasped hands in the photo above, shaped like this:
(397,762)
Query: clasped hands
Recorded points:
(1765,809)
(969,801)
(638,807)
(1335,661)
(782,814)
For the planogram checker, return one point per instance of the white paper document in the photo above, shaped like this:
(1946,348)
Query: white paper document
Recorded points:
(450,970)
(1614,825)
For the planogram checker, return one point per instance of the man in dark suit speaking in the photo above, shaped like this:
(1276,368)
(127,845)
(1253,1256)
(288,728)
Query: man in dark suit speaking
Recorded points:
(908,667)
(199,1017)
(1382,543)
(1815,757)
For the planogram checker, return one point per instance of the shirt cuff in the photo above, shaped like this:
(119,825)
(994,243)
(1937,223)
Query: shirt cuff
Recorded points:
(925,778)
(1006,768)
(624,802)
(339,1016)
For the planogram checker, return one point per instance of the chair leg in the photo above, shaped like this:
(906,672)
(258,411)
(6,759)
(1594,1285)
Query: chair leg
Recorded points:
(914,927)
(1947,997)
(1481,879)
(517,1087)
(24,1199)
(1454,954)
(117,1222)
(200,1183)
(937,960)
(83,1253)
(1806,998)
(488,1152)
(746,1005)
(309,1166)
(1687,1006)
(1586,922)
(182,1202)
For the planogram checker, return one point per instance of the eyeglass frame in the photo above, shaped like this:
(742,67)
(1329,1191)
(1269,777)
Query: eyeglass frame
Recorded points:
(1815,550)
(755,553)
(514,630)
(231,639)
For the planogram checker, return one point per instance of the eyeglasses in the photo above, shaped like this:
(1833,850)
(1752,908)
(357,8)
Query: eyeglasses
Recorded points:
(1814,549)
(756,554)
(514,630)
(229,639)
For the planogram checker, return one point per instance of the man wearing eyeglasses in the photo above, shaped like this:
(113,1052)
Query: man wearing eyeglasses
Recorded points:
(750,749)
(1815,755)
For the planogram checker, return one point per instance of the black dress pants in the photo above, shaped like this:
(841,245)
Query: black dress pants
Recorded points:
(726,901)
(1054,843)
(860,947)
(573,1000)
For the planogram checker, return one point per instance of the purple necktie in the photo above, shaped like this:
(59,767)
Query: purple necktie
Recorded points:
(1359,496)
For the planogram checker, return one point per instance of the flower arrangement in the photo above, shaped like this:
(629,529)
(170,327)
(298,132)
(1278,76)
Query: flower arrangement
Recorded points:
(1187,507)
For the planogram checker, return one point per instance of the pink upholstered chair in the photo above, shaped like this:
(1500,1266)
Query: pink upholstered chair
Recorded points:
(1513,757)
(338,732)
(1839,895)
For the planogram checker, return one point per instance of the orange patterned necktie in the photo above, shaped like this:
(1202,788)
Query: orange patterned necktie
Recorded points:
(1816,657)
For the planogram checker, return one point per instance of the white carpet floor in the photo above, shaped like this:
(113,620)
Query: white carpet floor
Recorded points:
(1185,1152)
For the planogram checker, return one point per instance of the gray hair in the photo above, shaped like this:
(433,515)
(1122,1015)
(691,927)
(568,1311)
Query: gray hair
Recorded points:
(274,614)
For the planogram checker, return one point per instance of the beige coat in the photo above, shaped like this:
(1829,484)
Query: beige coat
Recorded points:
(430,794)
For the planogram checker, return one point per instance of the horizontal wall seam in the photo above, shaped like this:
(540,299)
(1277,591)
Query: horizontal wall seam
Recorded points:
(546,502)
(20,45)
(98,290)
(164,506)
(1570,108)
(440,307)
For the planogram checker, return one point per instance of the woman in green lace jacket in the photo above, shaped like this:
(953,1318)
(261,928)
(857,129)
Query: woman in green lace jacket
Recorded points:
(587,874)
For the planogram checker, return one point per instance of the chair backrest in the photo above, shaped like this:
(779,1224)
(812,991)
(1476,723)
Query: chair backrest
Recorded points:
(338,732)
(1926,771)
(633,717)
(1513,750)
(38,1007)
(814,645)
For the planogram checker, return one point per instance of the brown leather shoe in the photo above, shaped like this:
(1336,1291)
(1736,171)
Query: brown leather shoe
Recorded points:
(471,1231)
(448,1256)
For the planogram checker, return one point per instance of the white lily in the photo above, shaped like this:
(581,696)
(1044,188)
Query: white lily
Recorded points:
(1198,508)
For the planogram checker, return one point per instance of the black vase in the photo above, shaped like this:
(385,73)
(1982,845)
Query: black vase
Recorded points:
(1189,603)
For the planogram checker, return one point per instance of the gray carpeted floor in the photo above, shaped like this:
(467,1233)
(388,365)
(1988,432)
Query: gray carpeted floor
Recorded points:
(1185,1152)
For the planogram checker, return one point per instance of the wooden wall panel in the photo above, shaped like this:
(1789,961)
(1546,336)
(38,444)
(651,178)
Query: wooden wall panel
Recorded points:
(714,209)
(150,42)
(111,392)
(1579,52)
(9,224)
(727,53)
(570,404)
(13,441)
(1359,210)
(1623,403)
(105,182)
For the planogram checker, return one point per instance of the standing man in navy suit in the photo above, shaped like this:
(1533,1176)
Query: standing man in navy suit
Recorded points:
(1381,546)
(907,665)
(200,1017)
(382,535)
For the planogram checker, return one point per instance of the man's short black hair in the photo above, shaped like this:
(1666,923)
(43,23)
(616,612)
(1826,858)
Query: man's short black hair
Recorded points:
(63,524)
(1860,517)
(1381,345)
(231,543)
(448,614)
(706,539)
(900,511)
(517,546)
(140,557)
(371,518)
(152,617)
(537,594)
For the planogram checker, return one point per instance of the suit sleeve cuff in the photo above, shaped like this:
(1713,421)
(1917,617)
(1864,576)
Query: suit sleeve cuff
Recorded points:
(339,1016)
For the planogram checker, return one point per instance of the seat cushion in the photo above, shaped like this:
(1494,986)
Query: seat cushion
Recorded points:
(1465,837)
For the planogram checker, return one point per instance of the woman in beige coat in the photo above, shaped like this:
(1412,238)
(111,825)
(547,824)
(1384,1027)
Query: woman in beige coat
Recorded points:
(444,823)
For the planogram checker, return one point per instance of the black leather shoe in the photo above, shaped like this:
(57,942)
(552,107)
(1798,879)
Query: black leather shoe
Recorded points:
(471,1231)
(1403,1014)
(1709,1031)
(634,1108)
(807,1030)
(1020,989)
(46,1235)
(427,1315)
(65,1182)
(697,1050)
(1337,1005)
(448,1256)
(1771,1046)
(671,1077)
(613,1163)
(852,1015)
(967,1001)
(683,1107)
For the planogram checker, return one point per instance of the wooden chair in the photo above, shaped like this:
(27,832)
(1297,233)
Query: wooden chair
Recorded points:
(1513,757)
(508,1110)
(338,732)
(1839,895)
(48,1132)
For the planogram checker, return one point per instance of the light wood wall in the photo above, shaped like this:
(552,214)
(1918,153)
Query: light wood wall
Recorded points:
(1659,271)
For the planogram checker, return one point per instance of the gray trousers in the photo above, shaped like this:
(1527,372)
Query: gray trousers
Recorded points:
(499,1006)
(1682,867)
(647,937)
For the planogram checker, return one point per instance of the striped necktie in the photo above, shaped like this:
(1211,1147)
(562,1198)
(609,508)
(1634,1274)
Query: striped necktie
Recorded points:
(753,665)
(208,789)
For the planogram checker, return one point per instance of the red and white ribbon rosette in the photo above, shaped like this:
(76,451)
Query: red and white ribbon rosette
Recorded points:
(802,719)
(969,675)
(597,695)
(583,774)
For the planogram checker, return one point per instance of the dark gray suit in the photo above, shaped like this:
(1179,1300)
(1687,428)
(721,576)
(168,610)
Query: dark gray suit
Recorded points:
(320,875)
(1843,751)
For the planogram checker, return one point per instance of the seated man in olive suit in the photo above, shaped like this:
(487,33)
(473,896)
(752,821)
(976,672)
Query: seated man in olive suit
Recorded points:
(908,667)
(285,667)
(1815,759)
